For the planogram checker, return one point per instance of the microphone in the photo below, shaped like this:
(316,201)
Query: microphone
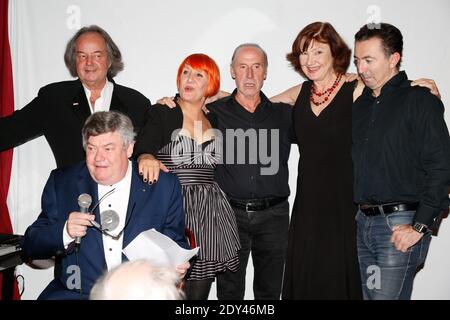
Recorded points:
(84,202)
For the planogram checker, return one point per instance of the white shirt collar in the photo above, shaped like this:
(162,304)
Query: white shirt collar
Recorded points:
(103,103)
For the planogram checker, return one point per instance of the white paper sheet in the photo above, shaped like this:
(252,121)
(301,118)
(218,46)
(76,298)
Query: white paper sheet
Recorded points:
(157,248)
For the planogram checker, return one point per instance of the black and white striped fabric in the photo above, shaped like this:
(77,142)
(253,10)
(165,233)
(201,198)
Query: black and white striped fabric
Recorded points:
(208,214)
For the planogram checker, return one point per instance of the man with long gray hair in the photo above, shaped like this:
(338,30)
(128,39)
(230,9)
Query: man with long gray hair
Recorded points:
(60,109)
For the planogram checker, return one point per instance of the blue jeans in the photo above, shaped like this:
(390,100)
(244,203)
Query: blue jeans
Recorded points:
(387,273)
(263,233)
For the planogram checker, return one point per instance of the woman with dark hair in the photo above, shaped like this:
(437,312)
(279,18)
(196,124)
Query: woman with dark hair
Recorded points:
(322,261)
(182,140)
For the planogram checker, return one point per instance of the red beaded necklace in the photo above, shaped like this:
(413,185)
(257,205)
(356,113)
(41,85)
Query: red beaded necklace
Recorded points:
(326,93)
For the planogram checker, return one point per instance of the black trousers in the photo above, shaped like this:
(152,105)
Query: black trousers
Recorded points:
(264,234)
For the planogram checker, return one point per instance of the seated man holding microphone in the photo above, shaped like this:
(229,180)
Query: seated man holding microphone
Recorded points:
(108,183)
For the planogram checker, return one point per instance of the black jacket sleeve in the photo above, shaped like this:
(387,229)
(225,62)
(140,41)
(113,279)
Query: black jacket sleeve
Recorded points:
(25,124)
(161,123)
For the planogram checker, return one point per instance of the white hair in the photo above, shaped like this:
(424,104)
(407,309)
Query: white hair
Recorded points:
(138,280)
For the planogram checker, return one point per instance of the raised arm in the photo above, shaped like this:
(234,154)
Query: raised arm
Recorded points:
(170,101)
(289,96)
(24,124)
(422,82)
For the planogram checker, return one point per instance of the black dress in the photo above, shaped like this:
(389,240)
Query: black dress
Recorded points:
(322,258)
(208,213)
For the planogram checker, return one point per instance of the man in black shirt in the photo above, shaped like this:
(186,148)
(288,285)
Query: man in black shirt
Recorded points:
(401,155)
(254,174)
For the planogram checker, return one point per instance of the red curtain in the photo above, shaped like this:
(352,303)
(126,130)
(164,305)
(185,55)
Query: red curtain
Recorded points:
(6,108)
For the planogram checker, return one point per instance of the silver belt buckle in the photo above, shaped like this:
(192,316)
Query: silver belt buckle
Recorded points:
(246,208)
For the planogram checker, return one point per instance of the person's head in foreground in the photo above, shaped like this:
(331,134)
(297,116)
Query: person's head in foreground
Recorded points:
(138,280)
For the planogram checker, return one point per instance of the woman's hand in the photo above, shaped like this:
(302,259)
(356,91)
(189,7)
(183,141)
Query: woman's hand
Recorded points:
(349,77)
(149,168)
(427,83)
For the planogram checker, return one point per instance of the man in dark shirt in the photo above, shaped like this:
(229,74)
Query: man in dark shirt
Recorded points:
(60,109)
(401,154)
(254,174)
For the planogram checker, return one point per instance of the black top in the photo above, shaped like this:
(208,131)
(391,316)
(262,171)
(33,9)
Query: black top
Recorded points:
(59,112)
(321,260)
(161,123)
(401,148)
(256,148)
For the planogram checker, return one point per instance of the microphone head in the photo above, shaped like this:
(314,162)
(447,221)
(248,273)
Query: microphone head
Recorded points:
(84,200)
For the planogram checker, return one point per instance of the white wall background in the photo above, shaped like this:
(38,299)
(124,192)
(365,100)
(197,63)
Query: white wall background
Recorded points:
(155,36)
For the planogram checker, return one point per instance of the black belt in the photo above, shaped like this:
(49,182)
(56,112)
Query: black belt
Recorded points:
(256,204)
(375,210)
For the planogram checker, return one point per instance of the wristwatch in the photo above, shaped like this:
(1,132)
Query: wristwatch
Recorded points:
(420,227)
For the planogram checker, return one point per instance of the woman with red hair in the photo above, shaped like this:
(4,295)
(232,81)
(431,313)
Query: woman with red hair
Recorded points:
(183,140)
(322,261)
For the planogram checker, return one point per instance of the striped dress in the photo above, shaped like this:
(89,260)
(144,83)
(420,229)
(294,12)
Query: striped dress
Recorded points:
(208,214)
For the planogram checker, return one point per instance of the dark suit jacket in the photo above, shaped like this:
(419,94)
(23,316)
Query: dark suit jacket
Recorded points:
(59,112)
(156,206)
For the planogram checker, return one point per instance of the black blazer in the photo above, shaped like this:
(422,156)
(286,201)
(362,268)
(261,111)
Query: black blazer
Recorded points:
(59,112)
(157,132)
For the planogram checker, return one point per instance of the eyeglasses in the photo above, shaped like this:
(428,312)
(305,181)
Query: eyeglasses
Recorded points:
(105,231)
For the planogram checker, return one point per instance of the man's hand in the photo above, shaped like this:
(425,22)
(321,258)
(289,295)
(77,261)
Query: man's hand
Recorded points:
(219,95)
(149,168)
(427,83)
(167,101)
(77,224)
(404,236)
(181,269)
